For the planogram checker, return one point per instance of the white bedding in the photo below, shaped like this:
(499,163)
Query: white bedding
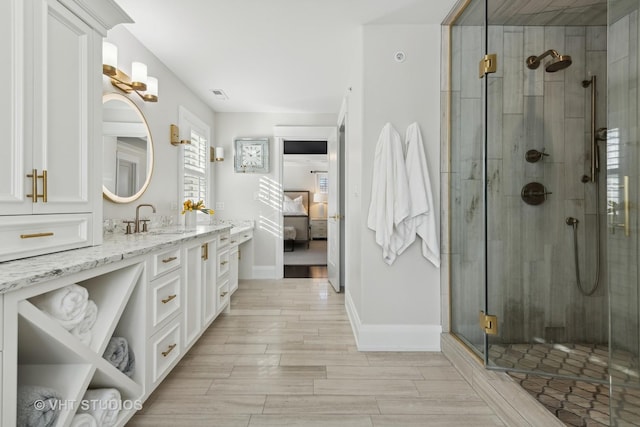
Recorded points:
(293,207)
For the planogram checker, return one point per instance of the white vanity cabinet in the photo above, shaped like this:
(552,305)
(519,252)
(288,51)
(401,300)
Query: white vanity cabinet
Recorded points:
(200,278)
(235,255)
(209,282)
(223,268)
(233,268)
(50,104)
(164,305)
(40,352)
(159,295)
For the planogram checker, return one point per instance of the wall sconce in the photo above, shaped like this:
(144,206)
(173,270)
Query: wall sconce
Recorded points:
(216,154)
(174,136)
(145,86)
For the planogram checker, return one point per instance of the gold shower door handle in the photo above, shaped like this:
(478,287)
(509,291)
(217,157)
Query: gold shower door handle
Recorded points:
(626,225)
(627,230)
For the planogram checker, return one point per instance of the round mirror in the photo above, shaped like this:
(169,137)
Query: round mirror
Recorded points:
(127,149)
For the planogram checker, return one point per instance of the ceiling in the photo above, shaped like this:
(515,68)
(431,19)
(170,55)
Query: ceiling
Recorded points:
(293,56)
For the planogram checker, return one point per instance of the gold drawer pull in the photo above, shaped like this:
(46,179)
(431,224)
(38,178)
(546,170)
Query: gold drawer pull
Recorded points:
(171,258)
(224,238)
(169,298)
(246,235)
(233,241)
(224,262)
(30,236)
(169,350)
(224,294)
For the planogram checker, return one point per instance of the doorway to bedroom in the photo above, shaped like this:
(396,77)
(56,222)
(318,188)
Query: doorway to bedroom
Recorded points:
(305,184)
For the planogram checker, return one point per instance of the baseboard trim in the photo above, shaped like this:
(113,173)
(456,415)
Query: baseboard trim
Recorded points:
(392,337)
(267,272)
(352,314)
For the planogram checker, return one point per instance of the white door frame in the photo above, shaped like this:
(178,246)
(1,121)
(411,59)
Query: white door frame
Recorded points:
(280,133)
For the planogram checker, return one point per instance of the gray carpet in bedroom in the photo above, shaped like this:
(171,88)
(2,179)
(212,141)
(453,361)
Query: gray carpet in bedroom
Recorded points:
(315,255)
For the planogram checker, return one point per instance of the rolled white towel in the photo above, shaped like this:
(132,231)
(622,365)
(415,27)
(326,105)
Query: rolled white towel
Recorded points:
(103,404)
(83,329)
(67,305)
(37,406)
(85,337)
(83,420)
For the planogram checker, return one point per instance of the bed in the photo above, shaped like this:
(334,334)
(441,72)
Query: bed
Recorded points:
(295,210)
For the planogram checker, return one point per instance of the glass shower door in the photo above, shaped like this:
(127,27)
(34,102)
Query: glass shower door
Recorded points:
(466,175)
(623,182)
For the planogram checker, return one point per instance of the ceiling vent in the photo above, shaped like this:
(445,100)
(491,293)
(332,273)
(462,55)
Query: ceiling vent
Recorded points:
(219,94)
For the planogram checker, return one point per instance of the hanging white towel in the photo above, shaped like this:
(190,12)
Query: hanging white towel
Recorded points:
(422,214)
(390,202)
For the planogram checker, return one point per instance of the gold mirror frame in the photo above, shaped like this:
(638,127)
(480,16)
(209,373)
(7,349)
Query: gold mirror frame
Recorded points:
(108,194)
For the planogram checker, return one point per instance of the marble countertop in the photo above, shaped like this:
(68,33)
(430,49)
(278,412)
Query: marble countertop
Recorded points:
(116,247)
(237,229)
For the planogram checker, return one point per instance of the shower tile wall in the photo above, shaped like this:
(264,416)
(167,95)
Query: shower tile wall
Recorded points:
(532,284)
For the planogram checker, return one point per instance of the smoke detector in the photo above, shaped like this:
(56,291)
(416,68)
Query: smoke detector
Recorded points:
(399,56)
(219,94)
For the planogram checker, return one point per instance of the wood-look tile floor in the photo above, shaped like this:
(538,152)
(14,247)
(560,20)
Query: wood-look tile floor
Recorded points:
(285,356)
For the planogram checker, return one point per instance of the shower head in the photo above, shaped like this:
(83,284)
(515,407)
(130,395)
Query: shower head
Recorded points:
(558,62)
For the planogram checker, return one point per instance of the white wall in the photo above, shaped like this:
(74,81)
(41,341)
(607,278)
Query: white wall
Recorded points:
(353,182)
(163,189)
(239,192)
(398,306)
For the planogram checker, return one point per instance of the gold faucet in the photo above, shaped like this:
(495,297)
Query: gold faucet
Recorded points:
(137,224)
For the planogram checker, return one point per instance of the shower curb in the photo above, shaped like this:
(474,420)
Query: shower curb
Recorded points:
(503,395)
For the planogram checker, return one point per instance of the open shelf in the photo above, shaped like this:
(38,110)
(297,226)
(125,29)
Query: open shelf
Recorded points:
(50,356)
(110,292)
(41,341)
(68,380)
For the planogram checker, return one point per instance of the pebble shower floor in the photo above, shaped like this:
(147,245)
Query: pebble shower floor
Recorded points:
(576,402)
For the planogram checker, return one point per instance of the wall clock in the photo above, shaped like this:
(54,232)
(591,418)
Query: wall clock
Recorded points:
(252,155)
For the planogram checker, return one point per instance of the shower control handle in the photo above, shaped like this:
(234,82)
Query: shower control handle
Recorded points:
(534,193)
(533,156)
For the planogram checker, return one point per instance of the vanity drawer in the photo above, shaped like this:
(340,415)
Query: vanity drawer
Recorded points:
(164,298)
(223,262)
(165,261)
(166,349)
(223,295)
(30,235)
(240,238)
(224,239)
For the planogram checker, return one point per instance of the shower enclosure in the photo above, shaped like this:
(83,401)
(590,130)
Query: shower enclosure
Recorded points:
(543,189)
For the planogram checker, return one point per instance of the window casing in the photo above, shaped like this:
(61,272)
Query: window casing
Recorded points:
(193,165)
(195,168)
